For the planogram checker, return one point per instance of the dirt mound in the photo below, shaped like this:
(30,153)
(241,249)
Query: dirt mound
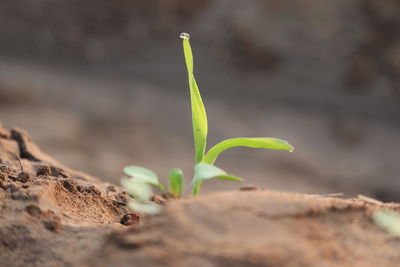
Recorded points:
(50,215)
(258,228)
(54,216)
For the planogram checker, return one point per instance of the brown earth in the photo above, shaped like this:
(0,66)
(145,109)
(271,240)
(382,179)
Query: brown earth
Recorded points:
(51,215)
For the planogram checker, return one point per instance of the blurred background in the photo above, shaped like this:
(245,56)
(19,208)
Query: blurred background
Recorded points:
(101,84)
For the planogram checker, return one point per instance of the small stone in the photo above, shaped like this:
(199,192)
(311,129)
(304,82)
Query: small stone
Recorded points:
(68,185)
(33,210)
(52,225)
(57,172)
(131,219)
(43,170)
(24,177)
(121,198)
(111,188)
(93,189)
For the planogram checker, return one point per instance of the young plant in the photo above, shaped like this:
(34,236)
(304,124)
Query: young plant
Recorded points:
(204,160)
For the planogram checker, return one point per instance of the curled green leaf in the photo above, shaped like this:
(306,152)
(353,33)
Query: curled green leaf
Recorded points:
(269,143)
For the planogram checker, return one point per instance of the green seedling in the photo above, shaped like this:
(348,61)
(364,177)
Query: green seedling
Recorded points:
(204,160)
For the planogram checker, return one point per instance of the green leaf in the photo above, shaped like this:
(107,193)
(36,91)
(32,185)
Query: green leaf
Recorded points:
(144,175)
(204,171)
(146,208)
(270,143)
(138,189)
(388,220)
(175,178)
(199,116)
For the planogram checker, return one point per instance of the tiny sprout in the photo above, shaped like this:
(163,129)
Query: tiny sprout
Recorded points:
(204,160)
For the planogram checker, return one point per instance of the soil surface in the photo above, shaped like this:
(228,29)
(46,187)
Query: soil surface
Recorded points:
(51,215)
(255,228)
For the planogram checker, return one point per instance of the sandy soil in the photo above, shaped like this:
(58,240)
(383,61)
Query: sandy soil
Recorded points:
(53,216)
(50,215)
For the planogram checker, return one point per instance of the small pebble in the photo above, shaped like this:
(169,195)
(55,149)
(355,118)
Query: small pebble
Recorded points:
(43,170)
(33,210)
(111,188)
(52,225)
(24,177)
(131,219)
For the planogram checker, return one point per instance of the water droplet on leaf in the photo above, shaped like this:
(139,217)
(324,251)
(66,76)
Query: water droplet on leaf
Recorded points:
(185,35)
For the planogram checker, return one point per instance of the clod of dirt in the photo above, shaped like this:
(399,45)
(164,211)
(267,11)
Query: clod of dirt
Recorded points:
(53,225)
(50,215)
(24,177)
(57,172)
(111,188)
(131,219)
(43,170)
(34,210)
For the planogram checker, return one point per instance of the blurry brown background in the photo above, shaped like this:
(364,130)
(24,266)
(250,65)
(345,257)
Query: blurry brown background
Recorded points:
(102,84)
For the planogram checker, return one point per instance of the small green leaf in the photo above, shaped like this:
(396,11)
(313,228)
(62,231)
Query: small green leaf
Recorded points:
(199,116)
(146,208)
(175,178)
(204,171)
(388,220)
(144,175)
(137,189)
(269,143)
